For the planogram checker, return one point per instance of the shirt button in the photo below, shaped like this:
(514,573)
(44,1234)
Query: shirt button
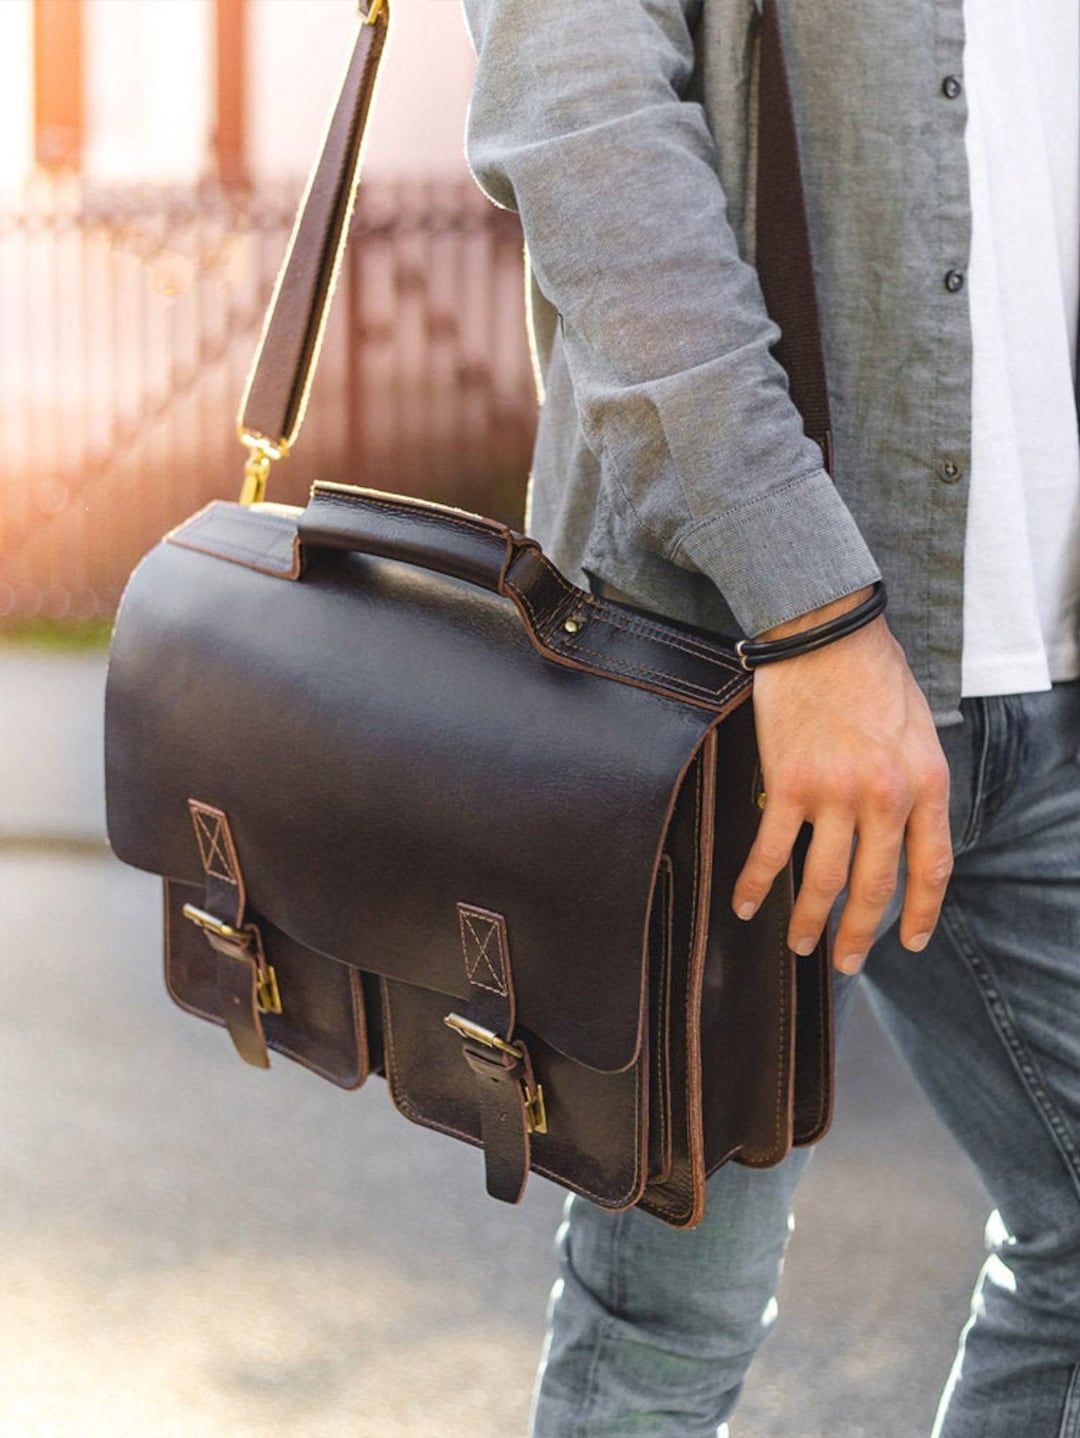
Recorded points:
(954,281)
(949,471)
(951,86)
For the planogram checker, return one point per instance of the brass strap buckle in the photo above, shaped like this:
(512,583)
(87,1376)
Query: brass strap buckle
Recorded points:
(535,1112)
(261,454)
(245,943)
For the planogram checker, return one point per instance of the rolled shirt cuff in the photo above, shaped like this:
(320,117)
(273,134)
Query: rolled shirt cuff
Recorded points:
(780,554)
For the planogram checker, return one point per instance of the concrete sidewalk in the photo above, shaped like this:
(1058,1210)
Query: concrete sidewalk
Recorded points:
(51,727)
(194,1248)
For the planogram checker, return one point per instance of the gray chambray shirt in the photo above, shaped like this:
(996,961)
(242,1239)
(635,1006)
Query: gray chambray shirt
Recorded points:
(670,460)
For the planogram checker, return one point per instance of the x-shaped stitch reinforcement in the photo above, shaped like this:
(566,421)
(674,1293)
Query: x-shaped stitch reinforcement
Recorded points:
(479,963)
(213,844)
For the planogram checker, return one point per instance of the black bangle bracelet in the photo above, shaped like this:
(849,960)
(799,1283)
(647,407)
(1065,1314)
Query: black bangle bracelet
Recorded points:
(753,652)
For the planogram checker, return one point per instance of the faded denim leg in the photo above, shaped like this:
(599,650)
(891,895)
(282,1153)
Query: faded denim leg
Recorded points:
(652,1329)
(989,1019)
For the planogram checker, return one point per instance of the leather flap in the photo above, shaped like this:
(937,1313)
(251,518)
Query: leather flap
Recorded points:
(389,745)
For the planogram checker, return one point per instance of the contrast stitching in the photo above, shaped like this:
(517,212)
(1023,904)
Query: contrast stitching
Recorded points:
(699,785)
(598,607)
(823,995)
(610,663)
(823,979)
(782,1040)
(227,548)
(645,669)
(721,659)
(479,955)
(761,1157)
(662,1020)
(211,833)
(230,556)
(644,630)
(683,1198)
(276,527)
(463,521)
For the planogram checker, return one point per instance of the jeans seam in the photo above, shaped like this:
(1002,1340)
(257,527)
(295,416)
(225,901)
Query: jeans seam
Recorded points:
(1070,1420)
(972,829)
(1024,1065)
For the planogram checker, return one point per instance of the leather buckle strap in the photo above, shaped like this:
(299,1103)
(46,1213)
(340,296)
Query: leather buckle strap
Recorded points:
(532,1092)
(242,945)
(246,982)
(511,1106)
(511,1101)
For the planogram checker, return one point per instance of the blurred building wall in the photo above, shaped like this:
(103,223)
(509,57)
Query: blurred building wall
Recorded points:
(148,86)
(16,93)
(298,53)
(148,74)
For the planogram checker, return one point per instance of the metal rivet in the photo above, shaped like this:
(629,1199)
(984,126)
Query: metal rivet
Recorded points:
(572,626)
(954,281)
(952,86)
(949,471)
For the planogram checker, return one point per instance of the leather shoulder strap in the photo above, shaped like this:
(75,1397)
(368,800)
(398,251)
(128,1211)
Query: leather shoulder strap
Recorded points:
(784,261)
(272,409)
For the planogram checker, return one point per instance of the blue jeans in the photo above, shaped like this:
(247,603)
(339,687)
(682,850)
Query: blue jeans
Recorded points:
(652,1330)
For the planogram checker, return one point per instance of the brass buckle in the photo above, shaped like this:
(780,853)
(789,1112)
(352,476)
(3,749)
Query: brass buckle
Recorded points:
(248,944)
(262,453)
(535,1112)
(480,1035)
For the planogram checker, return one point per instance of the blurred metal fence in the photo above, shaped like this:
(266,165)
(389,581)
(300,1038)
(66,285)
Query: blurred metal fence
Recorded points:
(127,323)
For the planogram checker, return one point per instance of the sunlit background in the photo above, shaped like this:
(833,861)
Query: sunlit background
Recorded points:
(152,155)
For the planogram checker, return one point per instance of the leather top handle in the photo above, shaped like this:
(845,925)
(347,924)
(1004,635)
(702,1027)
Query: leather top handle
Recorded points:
(418,531)
(566,624)
(272,409)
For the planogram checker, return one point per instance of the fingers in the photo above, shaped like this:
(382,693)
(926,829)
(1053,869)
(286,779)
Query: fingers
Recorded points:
(825,873)
(888,824)
(929,862)
(769,854)
(872,885)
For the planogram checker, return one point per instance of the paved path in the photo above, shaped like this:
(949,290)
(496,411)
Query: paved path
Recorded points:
(193,1248)
(51,783)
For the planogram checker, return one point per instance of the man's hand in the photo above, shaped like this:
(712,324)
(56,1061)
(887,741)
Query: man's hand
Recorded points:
(848,745)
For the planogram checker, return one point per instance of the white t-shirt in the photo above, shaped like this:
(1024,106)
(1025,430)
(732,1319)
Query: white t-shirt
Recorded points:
(1022,560)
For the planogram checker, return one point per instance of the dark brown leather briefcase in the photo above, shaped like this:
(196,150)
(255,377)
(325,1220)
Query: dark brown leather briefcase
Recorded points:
(425,809)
